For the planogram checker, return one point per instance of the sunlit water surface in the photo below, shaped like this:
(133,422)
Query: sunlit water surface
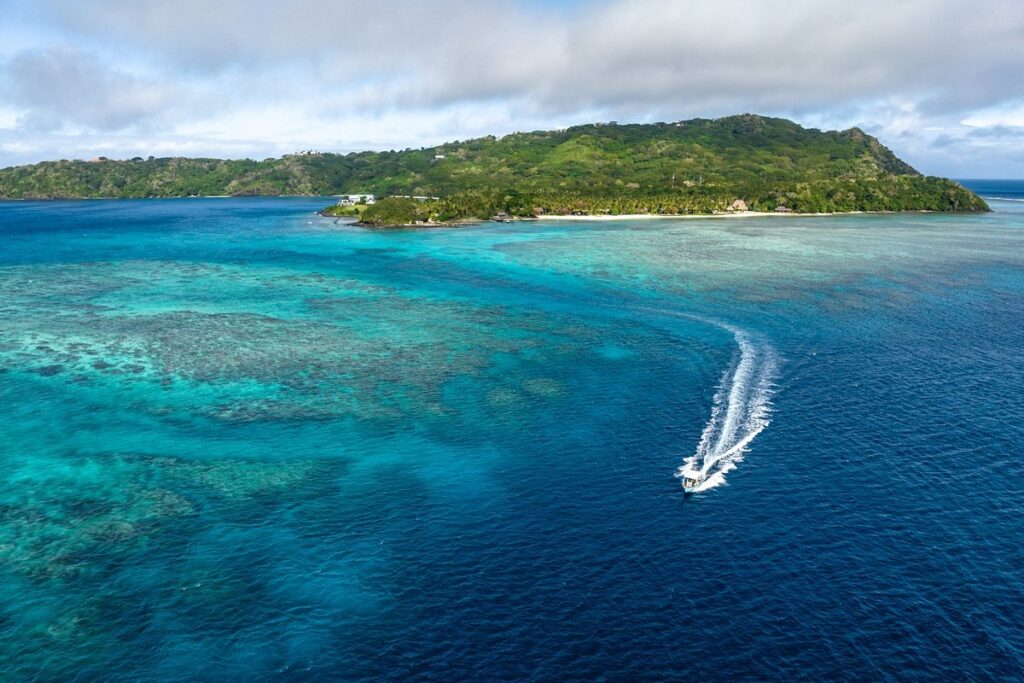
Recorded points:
(239,440)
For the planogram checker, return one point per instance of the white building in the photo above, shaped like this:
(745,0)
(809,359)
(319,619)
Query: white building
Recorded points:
(350,199)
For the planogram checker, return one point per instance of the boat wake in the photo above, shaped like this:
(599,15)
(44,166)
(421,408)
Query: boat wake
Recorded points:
(741,410)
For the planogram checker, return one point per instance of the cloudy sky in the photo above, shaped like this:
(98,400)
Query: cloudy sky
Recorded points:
(939,81)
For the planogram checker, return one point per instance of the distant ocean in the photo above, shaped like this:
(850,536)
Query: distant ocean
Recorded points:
(998,190)
(240,441)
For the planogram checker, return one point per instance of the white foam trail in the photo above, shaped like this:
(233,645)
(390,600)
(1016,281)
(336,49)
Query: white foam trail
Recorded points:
(741,409)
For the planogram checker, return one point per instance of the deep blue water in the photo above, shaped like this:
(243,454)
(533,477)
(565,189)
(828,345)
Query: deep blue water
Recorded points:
(1004,190)
(240,441)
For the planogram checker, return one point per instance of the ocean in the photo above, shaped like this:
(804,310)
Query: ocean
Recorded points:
(241,441)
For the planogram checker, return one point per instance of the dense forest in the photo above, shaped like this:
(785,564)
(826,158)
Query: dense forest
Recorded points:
(695,166)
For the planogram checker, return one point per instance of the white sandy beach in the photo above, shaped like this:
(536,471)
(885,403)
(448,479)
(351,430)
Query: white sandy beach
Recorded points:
(648,216)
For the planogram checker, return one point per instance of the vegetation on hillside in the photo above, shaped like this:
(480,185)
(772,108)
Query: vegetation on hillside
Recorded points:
(693,166)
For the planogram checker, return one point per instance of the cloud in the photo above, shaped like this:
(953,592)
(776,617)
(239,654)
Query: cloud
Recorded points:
(622,54)
(63,86)
(400,71)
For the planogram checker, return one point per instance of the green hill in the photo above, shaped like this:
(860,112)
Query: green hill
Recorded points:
(687,167)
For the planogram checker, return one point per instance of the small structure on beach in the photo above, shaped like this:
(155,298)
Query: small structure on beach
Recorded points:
(738,205)
(783,209)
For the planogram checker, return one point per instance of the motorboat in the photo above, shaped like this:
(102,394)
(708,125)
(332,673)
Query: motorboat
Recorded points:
(691,479)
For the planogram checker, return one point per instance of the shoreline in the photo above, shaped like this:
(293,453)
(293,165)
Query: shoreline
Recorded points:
(599,218)
(179,196)
(731,214)
(354,220)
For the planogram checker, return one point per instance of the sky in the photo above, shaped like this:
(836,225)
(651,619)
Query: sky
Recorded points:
(941,82)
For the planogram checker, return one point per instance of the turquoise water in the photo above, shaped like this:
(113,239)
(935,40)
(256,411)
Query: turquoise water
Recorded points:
(243,441)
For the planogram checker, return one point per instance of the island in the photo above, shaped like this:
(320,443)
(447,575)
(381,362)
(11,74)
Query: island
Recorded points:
(733,165)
